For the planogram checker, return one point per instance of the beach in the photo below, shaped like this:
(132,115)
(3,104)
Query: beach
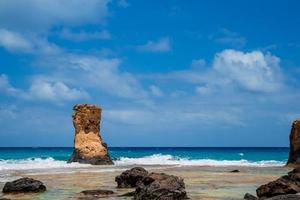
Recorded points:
(208,178)
(201,182)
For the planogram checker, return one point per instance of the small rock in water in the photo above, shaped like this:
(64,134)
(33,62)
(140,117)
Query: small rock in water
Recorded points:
(250,197)
(24,185)
(160,186)
(131,178)
(235,171)
(97,192)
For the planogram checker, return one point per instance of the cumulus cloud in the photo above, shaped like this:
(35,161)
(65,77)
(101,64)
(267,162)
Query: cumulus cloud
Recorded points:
(41,15)
(253,71)
(161,45)
(54,92)
(43,90)
(84,36)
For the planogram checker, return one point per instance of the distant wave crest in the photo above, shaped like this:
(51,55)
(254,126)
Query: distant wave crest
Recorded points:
(156,159)
(36,163)
(159,159)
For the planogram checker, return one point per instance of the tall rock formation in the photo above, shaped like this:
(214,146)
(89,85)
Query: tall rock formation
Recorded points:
(294,157)
(88,144)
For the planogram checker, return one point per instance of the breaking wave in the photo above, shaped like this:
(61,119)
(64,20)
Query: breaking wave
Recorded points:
(156,159)
(37,163)
(159,159)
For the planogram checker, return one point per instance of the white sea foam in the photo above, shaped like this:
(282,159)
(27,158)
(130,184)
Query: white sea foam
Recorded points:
(37,163)
(159,159)
(156,159)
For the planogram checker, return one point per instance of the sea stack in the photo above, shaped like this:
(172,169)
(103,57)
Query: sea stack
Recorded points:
(88,144)
(294,157)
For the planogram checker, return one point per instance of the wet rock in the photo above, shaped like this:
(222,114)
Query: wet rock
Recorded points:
(286,197)
(294,156)
(160,186)
(88,144)
(235,171)
(131,178)
(97,192)
(288,184)
(128,194)
(24,185)
(250,197)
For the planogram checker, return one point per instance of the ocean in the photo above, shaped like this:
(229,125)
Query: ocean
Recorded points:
(56,157)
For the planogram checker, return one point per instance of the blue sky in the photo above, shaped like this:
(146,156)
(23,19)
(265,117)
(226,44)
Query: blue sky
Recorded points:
(166,73)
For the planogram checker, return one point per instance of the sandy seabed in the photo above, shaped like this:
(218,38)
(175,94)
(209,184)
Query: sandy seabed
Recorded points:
(202,182)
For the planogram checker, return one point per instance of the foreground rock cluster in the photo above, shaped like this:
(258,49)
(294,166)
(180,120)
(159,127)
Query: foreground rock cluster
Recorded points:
(148,186)
(24,185)
(88,144)
(286,187)
(152,186)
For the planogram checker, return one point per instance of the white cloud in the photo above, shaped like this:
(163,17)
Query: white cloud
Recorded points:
(7,88)
(249,71)
(165,115)
(161,45)
(230,38)
(253,71)
(156,91)
(203,90)
(43,90)
(26,43)
(83,35)
(41,15)
(96,73)
(123,3)
(131,117)
(14,41)
(54,92)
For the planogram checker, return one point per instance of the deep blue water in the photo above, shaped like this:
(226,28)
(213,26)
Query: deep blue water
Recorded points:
(190,153)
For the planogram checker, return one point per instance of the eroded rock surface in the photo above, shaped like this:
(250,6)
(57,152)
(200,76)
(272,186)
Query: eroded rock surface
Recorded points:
(288,184)
(24,185)
(250,197)
(88,144)
(160,186)
(294,157)
(131,178)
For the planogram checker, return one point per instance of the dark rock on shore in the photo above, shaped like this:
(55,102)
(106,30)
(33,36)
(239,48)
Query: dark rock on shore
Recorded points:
(235,171)
(250,197)
(286,197)
(128,194)
(88,144)
(288,184)
(131,178)
(24,185)
(160,186)
(97,192)
(294,156)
